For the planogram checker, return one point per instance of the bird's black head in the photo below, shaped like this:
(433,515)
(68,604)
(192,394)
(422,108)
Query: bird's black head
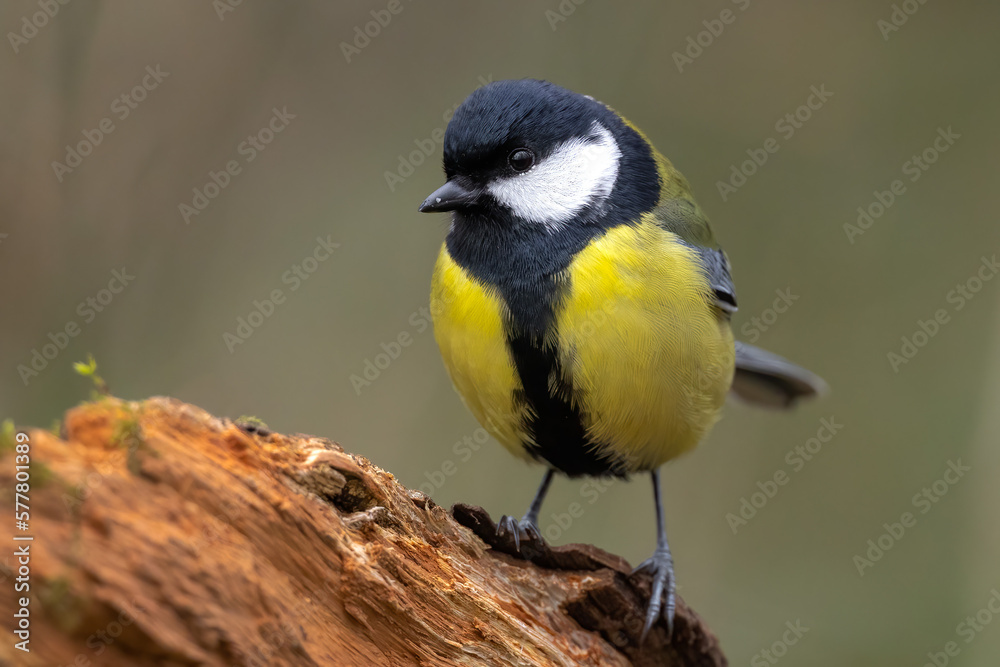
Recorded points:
(538,153)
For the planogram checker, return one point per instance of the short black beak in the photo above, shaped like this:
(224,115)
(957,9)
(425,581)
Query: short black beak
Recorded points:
(448,197)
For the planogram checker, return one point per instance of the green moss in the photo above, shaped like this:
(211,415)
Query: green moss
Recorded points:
(250,420)
(60,603)
(8,436)
(128,435)
(41,474)
(127,432)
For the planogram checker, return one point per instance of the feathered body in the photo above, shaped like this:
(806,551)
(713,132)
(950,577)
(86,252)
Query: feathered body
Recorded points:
(580,301)
(601,346)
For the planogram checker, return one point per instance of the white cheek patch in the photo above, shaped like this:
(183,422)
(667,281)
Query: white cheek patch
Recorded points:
(579,172)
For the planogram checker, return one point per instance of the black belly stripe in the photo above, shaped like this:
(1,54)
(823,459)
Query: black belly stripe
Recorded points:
(556,425)
(525,263)
(527,276)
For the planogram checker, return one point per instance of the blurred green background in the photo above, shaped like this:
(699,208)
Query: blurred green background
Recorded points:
(359,113)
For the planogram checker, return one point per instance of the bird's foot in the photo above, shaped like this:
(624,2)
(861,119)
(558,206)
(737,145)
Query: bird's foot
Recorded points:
(528,541)
(661,568)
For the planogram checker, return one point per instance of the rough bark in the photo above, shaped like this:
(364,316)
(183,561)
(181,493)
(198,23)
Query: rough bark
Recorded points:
(166,536)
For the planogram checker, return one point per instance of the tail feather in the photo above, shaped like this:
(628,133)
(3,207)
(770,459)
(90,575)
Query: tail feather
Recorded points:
(767,380)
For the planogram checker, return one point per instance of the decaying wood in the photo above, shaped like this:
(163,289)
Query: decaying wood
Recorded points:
(166,536)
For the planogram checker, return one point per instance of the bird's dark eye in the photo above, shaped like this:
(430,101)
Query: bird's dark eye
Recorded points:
(521,159)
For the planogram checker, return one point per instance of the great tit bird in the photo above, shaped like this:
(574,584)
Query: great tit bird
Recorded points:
(580,301)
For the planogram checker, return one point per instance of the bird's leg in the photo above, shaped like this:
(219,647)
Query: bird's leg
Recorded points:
(527,528)
(661,567)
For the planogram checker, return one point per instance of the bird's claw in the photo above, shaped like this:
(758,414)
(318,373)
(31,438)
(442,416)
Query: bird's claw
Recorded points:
(661,568)
(528,541)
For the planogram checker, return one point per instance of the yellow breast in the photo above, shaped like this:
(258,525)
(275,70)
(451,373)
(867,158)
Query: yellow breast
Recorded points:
(648,355)
(469,329)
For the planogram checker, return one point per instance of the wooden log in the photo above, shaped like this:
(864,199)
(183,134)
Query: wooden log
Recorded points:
(165,536)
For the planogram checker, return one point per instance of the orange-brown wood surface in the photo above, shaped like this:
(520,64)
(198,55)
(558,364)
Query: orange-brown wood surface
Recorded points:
(166,536)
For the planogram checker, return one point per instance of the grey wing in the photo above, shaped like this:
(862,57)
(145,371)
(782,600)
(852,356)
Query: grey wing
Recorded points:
(717,268)
(684,218)
(761,378)
(765,379)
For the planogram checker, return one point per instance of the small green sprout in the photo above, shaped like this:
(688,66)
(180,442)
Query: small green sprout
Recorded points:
(89,369)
